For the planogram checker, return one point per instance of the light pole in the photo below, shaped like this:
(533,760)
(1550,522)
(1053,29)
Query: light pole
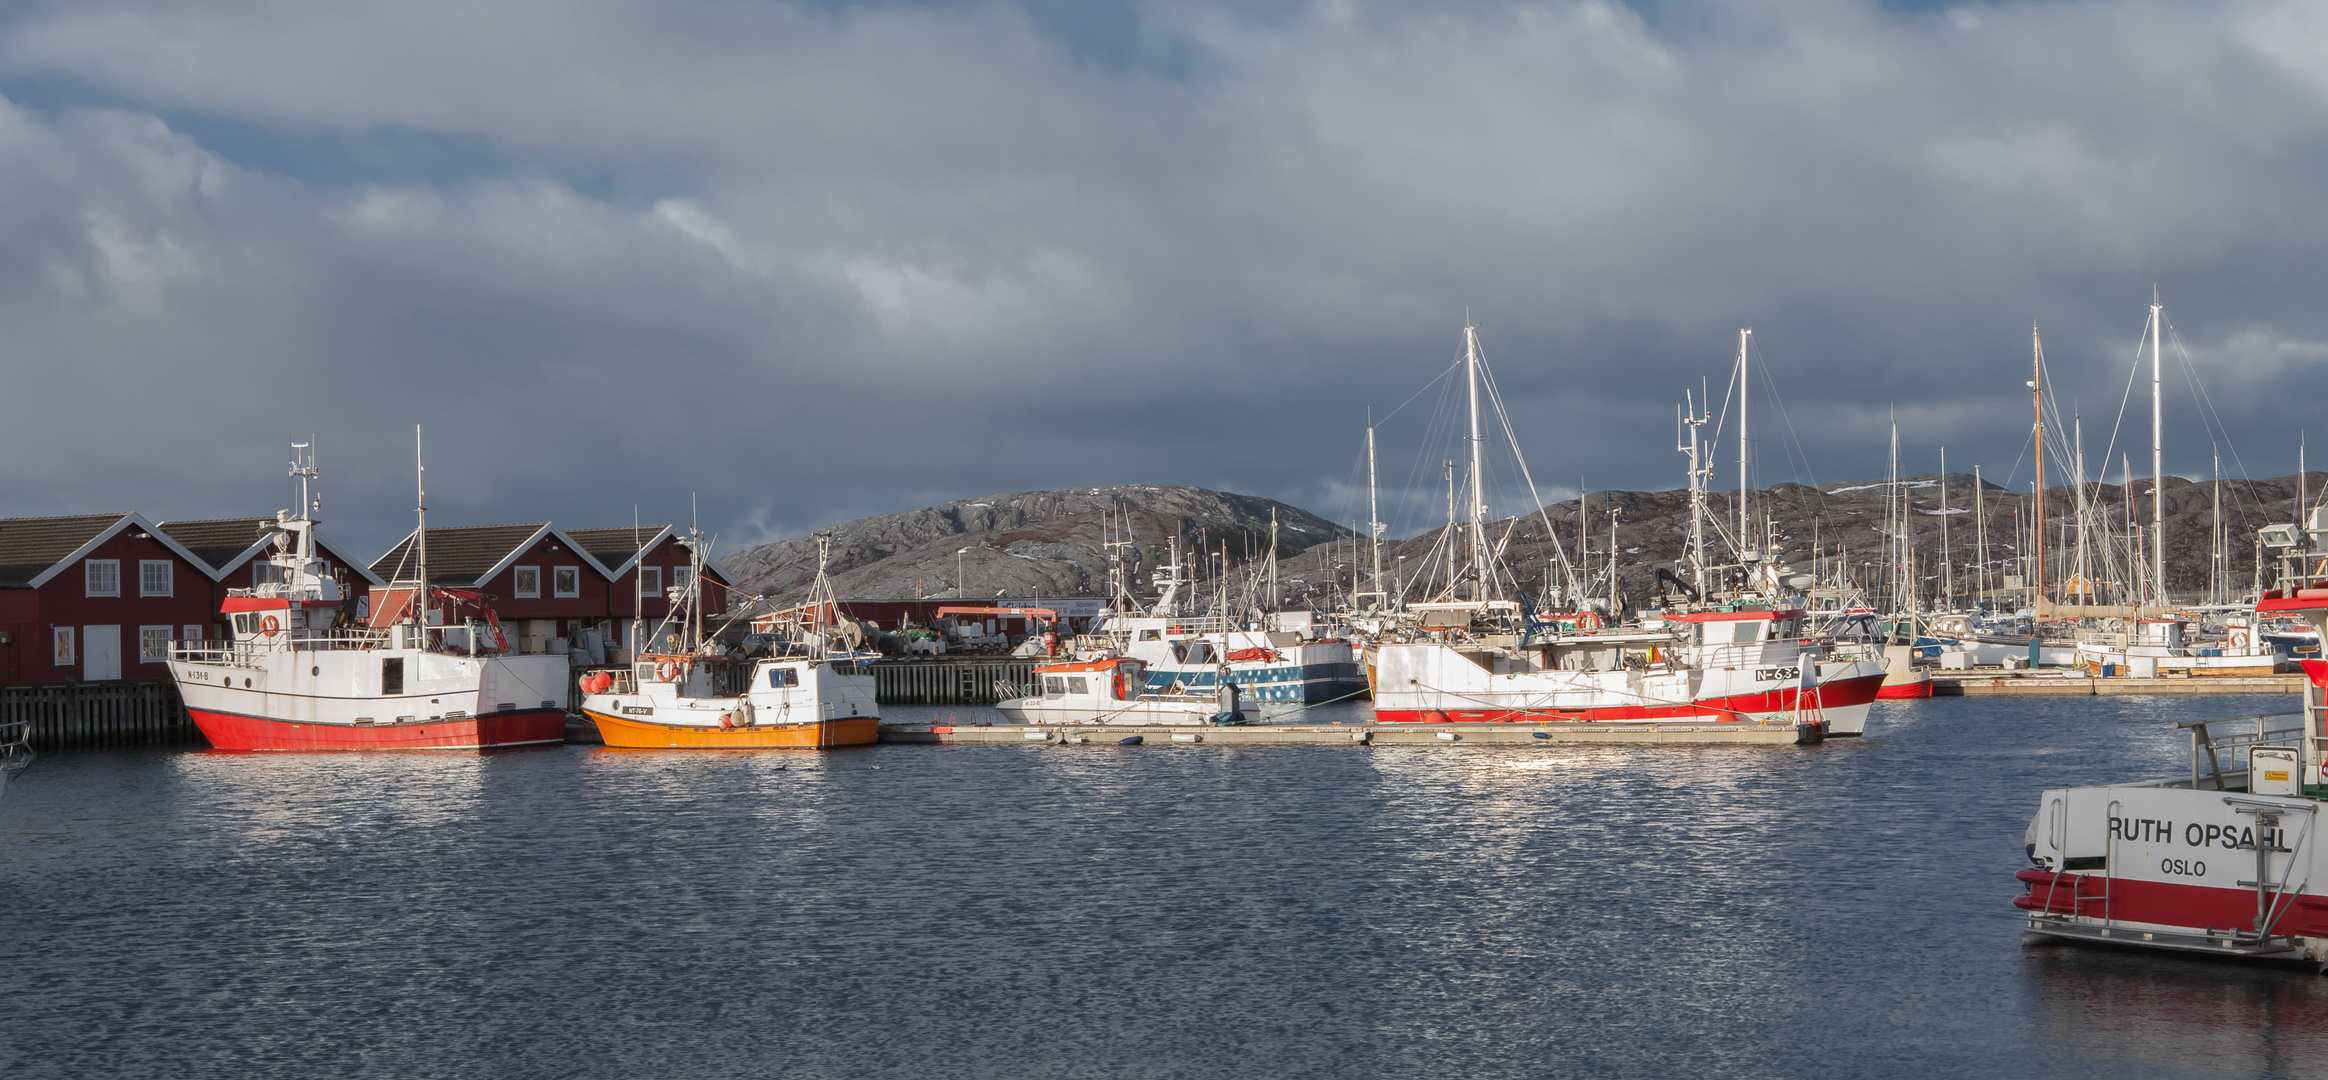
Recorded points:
(961,587)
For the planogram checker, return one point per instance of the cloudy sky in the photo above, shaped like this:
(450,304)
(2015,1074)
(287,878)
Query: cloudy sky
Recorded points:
(814,261)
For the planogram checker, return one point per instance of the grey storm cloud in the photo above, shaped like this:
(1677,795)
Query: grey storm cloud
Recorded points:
(805,263)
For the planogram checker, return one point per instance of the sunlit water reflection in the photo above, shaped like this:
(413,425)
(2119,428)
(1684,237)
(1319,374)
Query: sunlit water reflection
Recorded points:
(1841,910)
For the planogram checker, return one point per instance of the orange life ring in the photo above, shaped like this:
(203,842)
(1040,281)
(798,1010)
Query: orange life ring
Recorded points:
(1588,619)
(268,626)
(668,671)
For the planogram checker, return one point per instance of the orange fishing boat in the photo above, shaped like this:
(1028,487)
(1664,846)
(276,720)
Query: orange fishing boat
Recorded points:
(699,697)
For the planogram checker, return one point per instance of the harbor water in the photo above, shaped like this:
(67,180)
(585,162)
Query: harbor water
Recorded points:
(1841,910)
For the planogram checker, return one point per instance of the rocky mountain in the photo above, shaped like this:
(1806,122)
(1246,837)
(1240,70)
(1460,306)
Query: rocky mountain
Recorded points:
(1049,543)
(1035,543)
(1842,523)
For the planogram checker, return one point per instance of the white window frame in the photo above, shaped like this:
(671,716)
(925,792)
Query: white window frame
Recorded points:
(147,570)
(149,656)
(682,576)
(560,576)
(517,582)
(196,632)
(262,573)
(61,646)
(111,569)
(655,590)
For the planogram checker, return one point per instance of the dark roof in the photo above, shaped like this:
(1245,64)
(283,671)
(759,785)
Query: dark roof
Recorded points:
(614,547)
(458,556)
(29,546)
(218,541)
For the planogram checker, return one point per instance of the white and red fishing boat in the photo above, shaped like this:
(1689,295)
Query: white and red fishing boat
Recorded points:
(2225,860)
(1706,666)
(427,669)
(1106,689)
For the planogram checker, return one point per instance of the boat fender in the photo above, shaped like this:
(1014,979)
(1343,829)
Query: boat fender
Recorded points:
(727,722)
(268,626)
(668,671)
(1540,734)
(1128,740)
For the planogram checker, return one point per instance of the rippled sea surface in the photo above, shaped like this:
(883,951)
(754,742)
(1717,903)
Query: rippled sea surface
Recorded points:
(1098,911)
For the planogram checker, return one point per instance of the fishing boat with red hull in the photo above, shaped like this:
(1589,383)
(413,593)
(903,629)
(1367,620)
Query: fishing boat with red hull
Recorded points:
(428,669)
(2226,860)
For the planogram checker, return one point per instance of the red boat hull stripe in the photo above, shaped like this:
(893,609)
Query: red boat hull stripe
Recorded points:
(2166,903)
(1838,694)
(233,731)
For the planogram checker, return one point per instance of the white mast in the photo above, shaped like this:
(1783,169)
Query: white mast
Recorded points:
(1980,534)
(1745,552)
(1479,590)
(1697,491)
(1947,567)
(1374,511)
(2157,456)
(420,534)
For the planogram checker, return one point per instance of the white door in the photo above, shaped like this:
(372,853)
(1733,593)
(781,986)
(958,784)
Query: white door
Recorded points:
(100,652)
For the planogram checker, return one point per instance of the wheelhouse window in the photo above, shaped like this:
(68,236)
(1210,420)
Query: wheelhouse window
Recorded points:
(1053,686)
(153,577)
(1151,635)
(263,573)
(153,644)
(568,580)
(528,582)
(102,576)
(783,677)
(1076,684)
(391,676)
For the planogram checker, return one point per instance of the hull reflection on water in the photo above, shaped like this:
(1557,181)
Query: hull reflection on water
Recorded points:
(2214,1019)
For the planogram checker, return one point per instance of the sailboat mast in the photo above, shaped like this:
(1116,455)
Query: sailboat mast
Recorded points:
(1980,579)
(1478,491)
(1743,333)
(2037,410)
(2157,456)
(1947,569)
(1374,513)
(2216,578)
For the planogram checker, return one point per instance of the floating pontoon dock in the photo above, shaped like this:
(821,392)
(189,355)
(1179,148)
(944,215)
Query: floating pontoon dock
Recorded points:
(1709,733)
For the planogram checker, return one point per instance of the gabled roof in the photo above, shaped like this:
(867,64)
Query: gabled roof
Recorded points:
(468,554)
(227,543)
(35,550)
(222,542)
(619,549)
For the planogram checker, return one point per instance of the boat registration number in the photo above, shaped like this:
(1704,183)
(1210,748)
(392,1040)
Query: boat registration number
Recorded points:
(638,710)
(1773,674)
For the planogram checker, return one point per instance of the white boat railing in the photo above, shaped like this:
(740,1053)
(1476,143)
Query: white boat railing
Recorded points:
(2210,750)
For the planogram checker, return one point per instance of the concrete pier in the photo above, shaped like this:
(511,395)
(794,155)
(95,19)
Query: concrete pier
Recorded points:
(1544,734)
(1980,684)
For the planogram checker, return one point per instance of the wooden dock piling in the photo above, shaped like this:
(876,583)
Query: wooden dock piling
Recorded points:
(100,715)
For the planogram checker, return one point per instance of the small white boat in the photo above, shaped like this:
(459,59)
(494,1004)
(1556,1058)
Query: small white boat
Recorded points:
(1103,691)
(15,750)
